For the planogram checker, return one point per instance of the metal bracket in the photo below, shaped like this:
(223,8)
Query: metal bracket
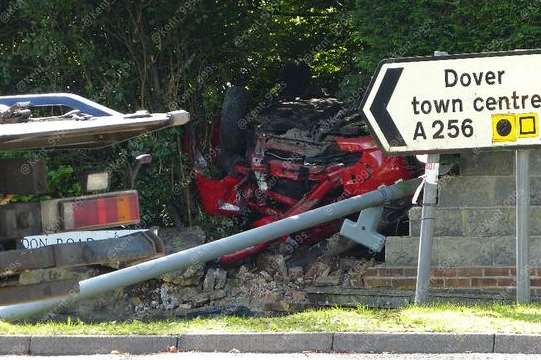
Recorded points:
(364,231)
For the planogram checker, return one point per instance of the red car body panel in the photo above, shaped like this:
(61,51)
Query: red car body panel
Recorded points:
(331,183)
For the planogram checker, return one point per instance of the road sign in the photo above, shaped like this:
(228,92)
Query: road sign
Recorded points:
(445,103)
(37,241)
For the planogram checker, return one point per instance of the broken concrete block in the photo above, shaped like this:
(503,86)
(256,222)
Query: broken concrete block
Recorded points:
(317,270)
(189,277)
(265,275)
(346,264)
(221,278)
(332,279)
(275,265)
(235,291)
(244,274)
(296,296)
(217,295)
(183,309)
(184,306)
(336,245)
(168,300)
(269,297)
(209,281)
(135,301)
(296,272)
(200,300)
(188,293)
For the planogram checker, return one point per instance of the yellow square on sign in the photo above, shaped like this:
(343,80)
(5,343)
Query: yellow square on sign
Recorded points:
(528,125)
(504,127)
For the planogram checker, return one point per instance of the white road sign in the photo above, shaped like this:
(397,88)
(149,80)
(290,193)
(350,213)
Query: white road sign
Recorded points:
(37,241)
(445,103)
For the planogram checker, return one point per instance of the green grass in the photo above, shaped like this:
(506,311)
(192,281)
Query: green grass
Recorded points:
(438,318)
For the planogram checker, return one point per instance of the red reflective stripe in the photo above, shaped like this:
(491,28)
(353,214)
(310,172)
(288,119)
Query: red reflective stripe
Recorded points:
(110,215)
(105,211)
(85,213)
(134,207)
(101,208)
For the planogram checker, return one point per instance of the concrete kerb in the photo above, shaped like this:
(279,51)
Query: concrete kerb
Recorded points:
(89,345)
(514,344)
(274,343)
(14,345)
(257,342)
(413,343)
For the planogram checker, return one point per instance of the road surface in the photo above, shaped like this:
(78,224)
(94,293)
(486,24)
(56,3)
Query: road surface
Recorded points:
(307,356)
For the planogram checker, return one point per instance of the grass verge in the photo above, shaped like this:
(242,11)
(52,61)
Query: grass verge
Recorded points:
(437,318)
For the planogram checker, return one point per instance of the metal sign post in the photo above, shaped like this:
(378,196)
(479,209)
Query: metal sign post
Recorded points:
(522,219)
(430,197)
(430,193)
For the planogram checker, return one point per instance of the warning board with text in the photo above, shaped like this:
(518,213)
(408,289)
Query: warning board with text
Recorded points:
(445,103)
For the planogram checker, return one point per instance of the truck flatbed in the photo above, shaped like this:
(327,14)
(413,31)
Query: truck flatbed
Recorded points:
(100,127)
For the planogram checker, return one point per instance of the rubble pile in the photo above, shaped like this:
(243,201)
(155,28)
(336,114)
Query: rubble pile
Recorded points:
(269,283)
(265,285)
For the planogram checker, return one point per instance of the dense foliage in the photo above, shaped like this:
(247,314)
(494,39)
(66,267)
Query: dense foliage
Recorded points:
(159,55)
(397,28)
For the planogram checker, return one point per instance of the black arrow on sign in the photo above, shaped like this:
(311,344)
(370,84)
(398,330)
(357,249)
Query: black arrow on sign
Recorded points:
(379,107)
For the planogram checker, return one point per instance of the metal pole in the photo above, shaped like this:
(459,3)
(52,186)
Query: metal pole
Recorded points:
(522,218)
(207,252)
(430,193)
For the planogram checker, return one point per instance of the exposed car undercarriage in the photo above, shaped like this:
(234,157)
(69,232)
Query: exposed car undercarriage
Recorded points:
(300,154)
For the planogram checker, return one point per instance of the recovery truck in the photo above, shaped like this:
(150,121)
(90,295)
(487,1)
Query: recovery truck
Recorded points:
(82,124)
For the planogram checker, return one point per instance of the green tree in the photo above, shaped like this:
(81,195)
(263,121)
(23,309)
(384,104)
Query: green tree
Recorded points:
(160,55)
(398,28)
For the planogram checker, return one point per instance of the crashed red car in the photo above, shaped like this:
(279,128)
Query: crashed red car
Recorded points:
(302,154)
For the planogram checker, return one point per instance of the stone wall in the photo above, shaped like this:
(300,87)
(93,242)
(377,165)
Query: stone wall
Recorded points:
(474,225)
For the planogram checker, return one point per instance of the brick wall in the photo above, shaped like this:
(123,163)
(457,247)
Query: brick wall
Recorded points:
(502,278)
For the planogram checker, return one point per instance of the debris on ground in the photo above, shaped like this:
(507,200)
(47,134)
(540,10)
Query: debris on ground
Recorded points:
(314,139)
(270,283)
(265,285)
